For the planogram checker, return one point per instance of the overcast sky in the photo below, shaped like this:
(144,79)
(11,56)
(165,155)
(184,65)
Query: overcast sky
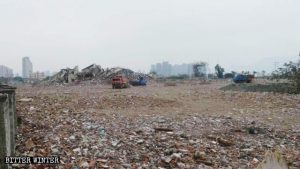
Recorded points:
(238,34)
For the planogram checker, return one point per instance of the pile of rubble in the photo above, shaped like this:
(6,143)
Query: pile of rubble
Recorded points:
(92,72)
(151,142)
(93,127)
(65,75)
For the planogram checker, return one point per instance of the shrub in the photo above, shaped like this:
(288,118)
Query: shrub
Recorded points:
(291,72)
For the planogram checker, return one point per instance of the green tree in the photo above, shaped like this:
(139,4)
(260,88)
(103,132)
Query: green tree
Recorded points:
(18,79)
(291,72)
(219,71)
(199,69)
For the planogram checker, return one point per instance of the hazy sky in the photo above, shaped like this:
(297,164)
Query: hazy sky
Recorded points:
(250,34)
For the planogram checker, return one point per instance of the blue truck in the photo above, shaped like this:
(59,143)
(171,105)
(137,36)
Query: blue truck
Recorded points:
(241,78)
(139,82)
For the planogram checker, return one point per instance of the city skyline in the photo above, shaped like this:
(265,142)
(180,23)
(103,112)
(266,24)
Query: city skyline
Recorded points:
(272,63)
(166,69)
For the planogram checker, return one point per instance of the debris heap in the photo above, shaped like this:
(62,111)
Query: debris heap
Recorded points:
(65,76)
(92,72)
(183,127)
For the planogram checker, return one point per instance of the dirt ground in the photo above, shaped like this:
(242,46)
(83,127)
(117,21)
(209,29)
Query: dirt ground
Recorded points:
(190,125)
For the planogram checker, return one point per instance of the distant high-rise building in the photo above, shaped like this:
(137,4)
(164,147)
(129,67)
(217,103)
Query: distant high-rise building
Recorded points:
(5,71)
(162,69)
(37,76)
(182,69)
(159,68)
(165,69)
(26,67)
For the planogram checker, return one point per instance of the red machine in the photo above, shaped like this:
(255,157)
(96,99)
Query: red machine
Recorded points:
(120,82)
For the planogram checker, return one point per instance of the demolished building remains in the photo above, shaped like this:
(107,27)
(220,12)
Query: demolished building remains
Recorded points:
(65,76)
(93,72)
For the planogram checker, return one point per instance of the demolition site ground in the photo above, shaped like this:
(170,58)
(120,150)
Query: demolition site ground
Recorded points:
(187,125)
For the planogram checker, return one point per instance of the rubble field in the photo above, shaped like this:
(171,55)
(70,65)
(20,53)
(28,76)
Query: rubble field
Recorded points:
(184,126)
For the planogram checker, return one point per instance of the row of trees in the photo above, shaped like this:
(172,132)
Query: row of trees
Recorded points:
(4,80)
(220,72)
(291,72)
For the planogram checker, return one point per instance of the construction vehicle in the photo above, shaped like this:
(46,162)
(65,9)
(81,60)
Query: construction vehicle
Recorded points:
(119,82)
(241,78)
(139,82)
